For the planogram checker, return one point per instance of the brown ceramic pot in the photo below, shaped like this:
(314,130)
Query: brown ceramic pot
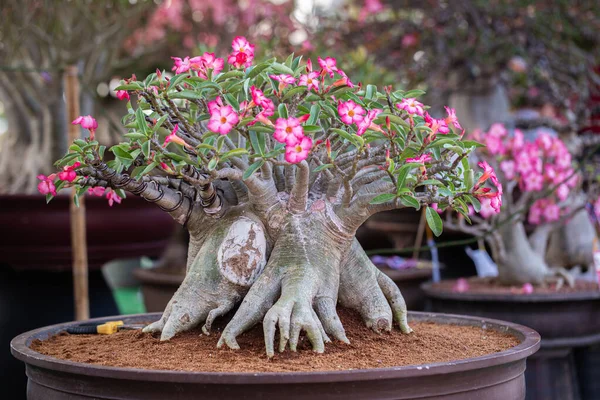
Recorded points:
(491,377)
(565,321)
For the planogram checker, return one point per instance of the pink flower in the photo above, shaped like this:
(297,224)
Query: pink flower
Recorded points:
(174,138)
(112,197)
(435,207)
(284,80)
(242,54)
(311,80)
(494,144)
(46,186)
(181,66)
(288,131)
(215,105)
(527,288)
(343,81)
(350,112)
(328,65)
(498,130)
(488,171)
(367,122)
(96,191)
(533,182)
(544,140)
(461,286)
(223,120)
(518,140)
(486,209)
(68,173)
(562,192)
(259,98)
(409,40)
(411,106)
(508,169)
(451,118)
(551,212)
(122,95)
(209,61)
(422,159)
(87,122)
(298,152)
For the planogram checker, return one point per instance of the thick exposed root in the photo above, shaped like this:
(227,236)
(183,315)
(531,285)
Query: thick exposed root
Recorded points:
(297,291)
(364,288)
(560,276)
(227,263)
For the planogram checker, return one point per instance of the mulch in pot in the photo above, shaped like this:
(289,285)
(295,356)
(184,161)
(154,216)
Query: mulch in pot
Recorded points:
(483,286)
(193,351)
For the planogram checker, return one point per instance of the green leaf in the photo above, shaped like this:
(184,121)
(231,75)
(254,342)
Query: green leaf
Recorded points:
(410,201)
(370,92)
(140,120)
(311,128)
(393,119)
(178,78)
(212,164)
(66,159)
(474,201)
(251,169)
(413,93)
(283,111)
(130,86)
(234,153)
(293,92)
(149,168)
(187,95)
(75,148)
(282,69)
(230,74)
(265,129)
(356,140)
(257,69)
(383,198)
(258,142)
(119,152)
(468,178)
(403,173)
(472,143)
(101,150)
(314,114)
(135,135)
(146,148)
(322,167)
(233,101)
(434,221)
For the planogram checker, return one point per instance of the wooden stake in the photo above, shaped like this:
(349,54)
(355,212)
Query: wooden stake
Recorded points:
(78,233)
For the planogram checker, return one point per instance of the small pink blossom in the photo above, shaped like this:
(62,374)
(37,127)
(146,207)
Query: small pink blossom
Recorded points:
(46,186)
(259,98)
(451,118)
(112,197)
(527,288)
(215,105)
(310,80)
(411,106)
(96,191)
(487,210)
(87,122)
(284,80)
(173,137)
(122,94)
(223,120)
(350,112)
(367,122)
(343,81)
(242,54)
(461,286)
(288,131)
(180,66)
(209,61)
(68,173)
(422,159)
(328,65)
(562,192)
(298,152)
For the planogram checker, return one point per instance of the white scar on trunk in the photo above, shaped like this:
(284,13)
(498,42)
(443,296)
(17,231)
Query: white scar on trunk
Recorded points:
(242,255)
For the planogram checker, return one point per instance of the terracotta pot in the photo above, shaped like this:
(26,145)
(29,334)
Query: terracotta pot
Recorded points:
(494,376)
(564,320)
(37,235)
(158,287)
(409,281)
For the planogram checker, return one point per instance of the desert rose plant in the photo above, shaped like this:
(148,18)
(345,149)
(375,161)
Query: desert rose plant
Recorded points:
(272,167)
(538,182)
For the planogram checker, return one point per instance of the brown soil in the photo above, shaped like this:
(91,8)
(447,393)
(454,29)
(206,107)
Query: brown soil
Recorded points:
(192,351)
(480,286)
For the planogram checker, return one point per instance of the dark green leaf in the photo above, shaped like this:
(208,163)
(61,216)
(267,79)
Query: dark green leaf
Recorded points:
(383,198)
(251,169)
(434,221)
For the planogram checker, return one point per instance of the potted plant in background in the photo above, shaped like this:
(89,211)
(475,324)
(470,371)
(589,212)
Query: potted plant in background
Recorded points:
(540,187)
(272,167)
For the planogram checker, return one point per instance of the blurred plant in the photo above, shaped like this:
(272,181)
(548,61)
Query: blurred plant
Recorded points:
(540,187)
(275,165)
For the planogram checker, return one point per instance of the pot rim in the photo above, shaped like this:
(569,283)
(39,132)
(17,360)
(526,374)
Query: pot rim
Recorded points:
(530,343)
(431,291)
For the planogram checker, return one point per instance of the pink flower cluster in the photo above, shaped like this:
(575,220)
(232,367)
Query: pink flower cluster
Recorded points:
(352,113)
(111,195)
(536,165)
(413,107)
(314,80)
(201,64)
(222,117)
(491,202)
(242,54)
(290,132)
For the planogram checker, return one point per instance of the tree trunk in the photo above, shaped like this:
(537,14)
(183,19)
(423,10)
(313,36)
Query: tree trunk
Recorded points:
(520,263)
(572,243)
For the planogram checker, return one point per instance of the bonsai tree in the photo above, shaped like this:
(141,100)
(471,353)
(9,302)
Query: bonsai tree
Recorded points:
(540,187)
(272,167)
